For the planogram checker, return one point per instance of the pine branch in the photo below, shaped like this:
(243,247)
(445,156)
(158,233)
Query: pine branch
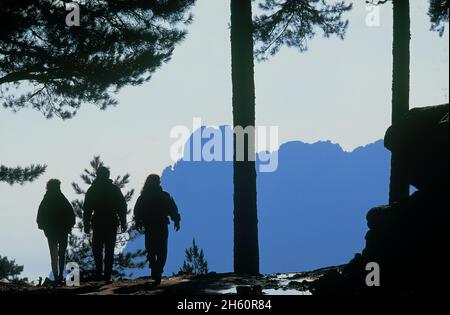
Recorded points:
(292,23)
(21,175)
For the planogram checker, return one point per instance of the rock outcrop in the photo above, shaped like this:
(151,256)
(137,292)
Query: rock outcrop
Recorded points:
(408,240)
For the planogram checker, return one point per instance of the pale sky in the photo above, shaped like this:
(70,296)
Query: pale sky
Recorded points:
(338,91)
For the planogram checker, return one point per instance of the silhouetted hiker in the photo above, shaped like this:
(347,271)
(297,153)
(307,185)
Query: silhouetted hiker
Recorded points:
(56,217)
(152,211)
(104,208)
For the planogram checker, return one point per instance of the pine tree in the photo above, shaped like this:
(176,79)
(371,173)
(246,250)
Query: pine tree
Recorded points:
(293,23)
(80,244)
(288,22)
(246,247)
(195,263)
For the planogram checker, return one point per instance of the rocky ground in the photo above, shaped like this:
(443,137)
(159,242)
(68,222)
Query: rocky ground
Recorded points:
(211,284)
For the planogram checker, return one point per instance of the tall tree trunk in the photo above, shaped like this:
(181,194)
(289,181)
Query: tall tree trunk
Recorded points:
(246,248)
(399,187)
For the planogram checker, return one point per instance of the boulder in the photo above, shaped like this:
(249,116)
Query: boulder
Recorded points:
(421,141)
(408,240)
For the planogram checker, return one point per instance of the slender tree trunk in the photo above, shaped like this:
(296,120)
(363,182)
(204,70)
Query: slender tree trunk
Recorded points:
(399,187)
(246,248)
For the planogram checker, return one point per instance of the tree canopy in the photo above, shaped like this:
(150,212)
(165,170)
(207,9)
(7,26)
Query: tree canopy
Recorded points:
(20,175)
(80,244)
(9,269)
(55,68)
(294,22)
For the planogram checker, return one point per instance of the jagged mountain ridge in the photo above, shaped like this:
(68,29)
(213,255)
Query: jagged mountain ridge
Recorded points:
(311,209)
